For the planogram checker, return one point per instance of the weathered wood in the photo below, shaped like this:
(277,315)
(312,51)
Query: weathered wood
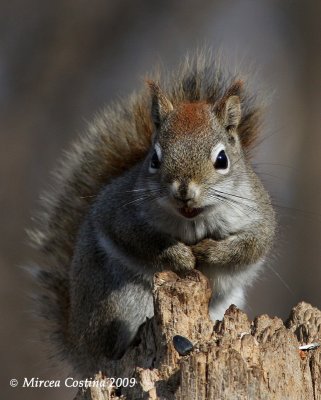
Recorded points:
(232,359)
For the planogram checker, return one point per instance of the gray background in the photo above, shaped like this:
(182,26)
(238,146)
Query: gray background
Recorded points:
(62,60)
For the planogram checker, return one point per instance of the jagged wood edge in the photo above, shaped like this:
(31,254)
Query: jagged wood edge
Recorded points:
(234,358)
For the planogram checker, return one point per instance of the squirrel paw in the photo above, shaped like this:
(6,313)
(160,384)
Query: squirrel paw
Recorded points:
(182,258)
(206,251)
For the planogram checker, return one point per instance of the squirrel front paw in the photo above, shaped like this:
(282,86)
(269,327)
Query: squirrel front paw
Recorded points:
(206,251)
(180,257)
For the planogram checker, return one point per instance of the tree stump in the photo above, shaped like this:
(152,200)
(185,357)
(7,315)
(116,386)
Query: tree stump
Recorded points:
(230,359)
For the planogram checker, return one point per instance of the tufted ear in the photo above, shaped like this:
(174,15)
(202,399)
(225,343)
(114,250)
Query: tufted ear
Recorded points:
(161,106)
(232,112)
(228,108)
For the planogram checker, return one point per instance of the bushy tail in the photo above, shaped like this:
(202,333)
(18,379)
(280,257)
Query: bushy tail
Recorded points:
(117,139)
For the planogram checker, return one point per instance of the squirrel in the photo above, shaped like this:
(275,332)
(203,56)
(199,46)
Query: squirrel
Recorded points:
(162,180)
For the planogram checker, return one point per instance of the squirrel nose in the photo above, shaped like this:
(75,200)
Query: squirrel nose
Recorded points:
(183,199)
(185,192)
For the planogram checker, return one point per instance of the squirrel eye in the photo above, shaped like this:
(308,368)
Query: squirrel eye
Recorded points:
(154,162)
(221,162)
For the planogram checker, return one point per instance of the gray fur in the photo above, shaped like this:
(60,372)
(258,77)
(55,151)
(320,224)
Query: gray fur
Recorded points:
(110,223)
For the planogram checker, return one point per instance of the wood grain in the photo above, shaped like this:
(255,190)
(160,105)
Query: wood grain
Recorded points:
(232,359)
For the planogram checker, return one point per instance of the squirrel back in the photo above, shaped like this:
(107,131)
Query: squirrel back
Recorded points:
(118,138)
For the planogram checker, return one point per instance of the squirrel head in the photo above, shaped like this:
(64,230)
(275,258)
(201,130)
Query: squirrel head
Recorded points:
(196,150)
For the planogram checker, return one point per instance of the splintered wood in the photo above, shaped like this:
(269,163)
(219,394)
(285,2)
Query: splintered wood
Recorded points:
(231,359)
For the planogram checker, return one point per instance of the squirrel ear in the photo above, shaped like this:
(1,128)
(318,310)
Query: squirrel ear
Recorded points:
(161,106)
(228,108)
(232,112)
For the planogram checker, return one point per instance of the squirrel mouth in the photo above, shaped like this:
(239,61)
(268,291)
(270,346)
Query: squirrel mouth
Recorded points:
(188,212)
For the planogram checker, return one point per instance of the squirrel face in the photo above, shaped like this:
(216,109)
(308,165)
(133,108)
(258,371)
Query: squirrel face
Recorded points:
(196,152)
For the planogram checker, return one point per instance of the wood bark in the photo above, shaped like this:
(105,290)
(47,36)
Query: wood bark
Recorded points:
(231,359)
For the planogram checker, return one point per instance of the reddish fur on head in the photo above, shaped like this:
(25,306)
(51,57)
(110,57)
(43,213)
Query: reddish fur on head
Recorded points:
(191,118)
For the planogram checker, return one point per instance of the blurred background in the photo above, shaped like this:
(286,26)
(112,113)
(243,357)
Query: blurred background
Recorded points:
(62,60)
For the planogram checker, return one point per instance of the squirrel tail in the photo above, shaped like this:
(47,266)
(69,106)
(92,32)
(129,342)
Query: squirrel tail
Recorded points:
(118,138)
